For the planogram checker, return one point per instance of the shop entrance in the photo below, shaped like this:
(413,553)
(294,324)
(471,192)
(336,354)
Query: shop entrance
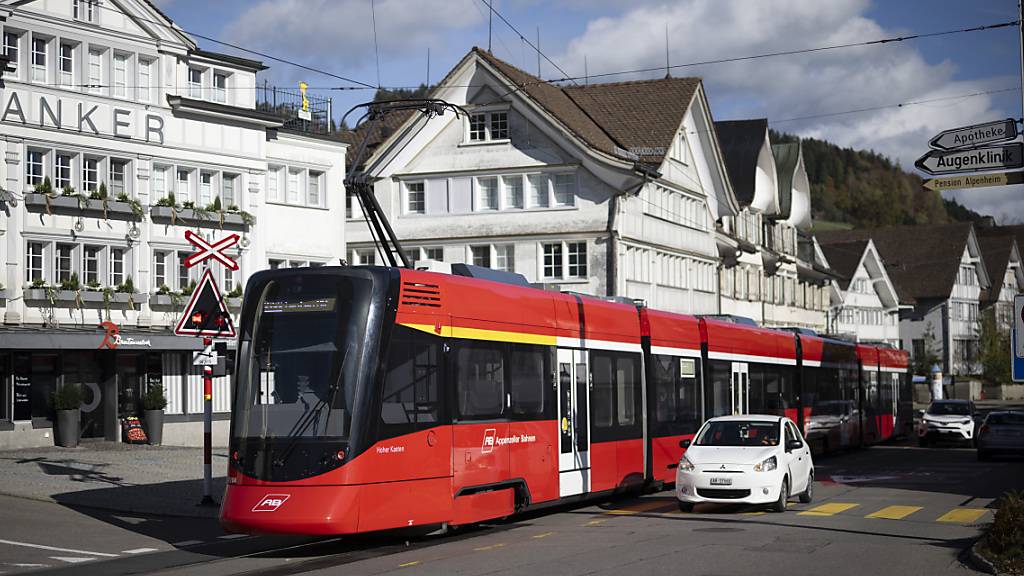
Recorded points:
(86,370)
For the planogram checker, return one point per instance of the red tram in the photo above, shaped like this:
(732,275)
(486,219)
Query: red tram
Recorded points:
(371,398)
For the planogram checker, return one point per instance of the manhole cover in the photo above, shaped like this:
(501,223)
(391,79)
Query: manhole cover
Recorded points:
(719,529)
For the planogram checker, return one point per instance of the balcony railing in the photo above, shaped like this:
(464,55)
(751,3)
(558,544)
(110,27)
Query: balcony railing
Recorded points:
(287,103)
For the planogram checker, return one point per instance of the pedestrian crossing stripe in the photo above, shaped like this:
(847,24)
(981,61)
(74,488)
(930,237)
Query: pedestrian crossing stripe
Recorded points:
(894,512)
(962,515)
(830,509)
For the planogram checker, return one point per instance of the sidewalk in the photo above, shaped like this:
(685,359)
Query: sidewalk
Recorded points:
(163,480)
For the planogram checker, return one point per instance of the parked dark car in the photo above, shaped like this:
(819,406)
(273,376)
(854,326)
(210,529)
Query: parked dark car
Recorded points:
(1001,433)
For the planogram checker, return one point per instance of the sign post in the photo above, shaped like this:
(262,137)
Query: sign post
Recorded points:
(206,316)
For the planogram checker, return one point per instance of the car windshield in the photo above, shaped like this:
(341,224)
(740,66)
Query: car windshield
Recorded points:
(949,409)
(739,433)
(1007,419)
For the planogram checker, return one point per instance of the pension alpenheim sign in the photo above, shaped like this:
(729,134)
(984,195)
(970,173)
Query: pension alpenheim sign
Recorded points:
(80,115)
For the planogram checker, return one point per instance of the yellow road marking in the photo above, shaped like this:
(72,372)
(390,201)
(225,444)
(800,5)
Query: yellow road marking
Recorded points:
(962,515)
(593,522)
(544,535)
(491,547)
(407,564)
(830,509)
(894,512)
(644,506)
(753,513)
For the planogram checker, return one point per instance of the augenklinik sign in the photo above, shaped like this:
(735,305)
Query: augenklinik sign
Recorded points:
(80,115)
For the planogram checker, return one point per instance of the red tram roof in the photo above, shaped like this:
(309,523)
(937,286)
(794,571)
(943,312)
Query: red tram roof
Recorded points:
(725,339)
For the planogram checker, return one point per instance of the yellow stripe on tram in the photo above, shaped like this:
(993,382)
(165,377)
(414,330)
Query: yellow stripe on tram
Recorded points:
(962,515)
(830,509)
(894,512)
(481,334)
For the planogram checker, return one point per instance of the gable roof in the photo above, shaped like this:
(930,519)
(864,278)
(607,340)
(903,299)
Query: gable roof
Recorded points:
(787,157)
(996,248)
(922,261)
(741,142)
(844,257)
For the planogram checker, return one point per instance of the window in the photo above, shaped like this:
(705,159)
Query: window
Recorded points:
(65,253)
(366,256)
(91,265)
(538,190)
(529,369)
(195,83)
(477,127)
(159,179)
(227,190)
(512,191)
(121,75)
(415,200)
(577,252)
(499,125)
(183,189)
(34,262)
(505,257)
(230,280)
(313,186)
(220,87)
(273,184)
(480,380)
(85,10)
(677,409)
(183,273)
(118,169)
(67,64)
(487,193)
(411,398)
(275,264)
(95,70)
(116,266)
(90,173)
(62,171)
(11,49)
(553,260)
(481,255)
(159,268)
(488,126)
(565,185)
(293,185)
(434,254)
(205,188)
(615,394)
(38,60)
(145,79)
(34,168)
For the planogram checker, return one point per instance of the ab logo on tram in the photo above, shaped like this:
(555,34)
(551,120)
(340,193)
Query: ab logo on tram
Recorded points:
(270,502)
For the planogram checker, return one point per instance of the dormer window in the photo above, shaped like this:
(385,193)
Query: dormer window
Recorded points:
(220,87)
(195,83)
(85,10)
(488,127)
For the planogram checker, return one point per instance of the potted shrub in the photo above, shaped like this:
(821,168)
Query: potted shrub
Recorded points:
(153,404)
(67,402)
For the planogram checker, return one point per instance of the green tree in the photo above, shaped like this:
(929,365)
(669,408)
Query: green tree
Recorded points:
(994,348)
(923,363)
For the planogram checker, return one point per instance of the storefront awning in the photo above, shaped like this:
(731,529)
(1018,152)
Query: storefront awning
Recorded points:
(88,339)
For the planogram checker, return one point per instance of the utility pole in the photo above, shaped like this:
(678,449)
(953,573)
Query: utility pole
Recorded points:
(1020,29)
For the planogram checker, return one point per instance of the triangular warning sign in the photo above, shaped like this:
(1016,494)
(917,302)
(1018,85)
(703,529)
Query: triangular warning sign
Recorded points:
(205,315)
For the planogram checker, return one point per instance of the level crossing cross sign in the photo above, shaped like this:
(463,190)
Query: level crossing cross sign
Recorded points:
(205,315)
(214,250)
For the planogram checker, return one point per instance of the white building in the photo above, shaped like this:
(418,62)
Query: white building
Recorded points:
(864,304)
(606,189)
(1000,250)
(113,96)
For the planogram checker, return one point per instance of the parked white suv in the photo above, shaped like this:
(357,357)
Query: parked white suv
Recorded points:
(748,459)
(946,420)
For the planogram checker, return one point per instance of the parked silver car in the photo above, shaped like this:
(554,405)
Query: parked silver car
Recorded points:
(1001,433)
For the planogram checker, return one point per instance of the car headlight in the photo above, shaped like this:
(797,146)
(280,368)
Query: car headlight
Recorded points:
(766,466)
(685,465)
(966,422)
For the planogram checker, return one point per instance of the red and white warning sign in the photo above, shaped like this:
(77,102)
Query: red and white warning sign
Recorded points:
(213,250)
(206,315)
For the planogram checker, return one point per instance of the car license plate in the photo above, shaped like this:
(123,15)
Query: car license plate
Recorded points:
(718,481)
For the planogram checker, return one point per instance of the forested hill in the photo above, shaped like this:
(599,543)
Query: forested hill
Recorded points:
(867,190)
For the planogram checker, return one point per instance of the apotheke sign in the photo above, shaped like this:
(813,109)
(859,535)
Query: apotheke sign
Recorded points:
(79,115)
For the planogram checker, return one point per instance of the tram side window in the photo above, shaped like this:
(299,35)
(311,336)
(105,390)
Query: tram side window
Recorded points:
(602,391)
(480,380)
(719,394)
(676,408)
(528,367)
(411,397)
(615,395)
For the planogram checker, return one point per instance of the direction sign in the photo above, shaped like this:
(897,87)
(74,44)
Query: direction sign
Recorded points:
(969,136)
(1018,324)
(213,250)
(205,357)
(974,181)
(205,315)
(973,159)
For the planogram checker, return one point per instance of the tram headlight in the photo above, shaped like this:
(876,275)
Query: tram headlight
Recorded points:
(685,465)
(767,465)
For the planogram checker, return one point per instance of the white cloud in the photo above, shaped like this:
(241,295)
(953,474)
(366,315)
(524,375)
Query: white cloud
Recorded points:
(802,85)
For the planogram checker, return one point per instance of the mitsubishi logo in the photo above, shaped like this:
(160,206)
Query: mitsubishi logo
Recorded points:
(722,467)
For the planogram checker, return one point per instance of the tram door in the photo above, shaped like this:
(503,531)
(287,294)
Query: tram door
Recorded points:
(740,388)
(573,422)
(894,382)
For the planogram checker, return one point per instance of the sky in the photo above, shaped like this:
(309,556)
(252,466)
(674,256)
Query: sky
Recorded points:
(811,95)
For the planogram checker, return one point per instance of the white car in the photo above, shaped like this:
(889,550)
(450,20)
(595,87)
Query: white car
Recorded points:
(946,420)
(748,459)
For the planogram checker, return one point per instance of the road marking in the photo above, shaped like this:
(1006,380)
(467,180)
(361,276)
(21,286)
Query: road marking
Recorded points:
(71,559)
(962,515)
(138,550)
(753,513)
(55,549)
(593,522)
(544,535)
(639,507)
(894,512)
(184,543)
(25,565)
(830,509)
(407,564)
(486,548)
(232,536)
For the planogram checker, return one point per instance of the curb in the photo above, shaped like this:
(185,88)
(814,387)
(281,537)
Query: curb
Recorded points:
(977,561)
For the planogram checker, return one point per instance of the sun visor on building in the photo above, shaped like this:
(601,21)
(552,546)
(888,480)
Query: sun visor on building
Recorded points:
(88,339)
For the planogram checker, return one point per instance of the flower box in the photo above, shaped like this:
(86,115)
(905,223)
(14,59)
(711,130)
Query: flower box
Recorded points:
(190,217)
(166,300)
(233,303)
(73,206)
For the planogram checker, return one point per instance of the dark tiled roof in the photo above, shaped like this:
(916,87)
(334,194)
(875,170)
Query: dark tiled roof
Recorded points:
(996,247)
(922,261)
(741,142)
(787,156)
(843,257)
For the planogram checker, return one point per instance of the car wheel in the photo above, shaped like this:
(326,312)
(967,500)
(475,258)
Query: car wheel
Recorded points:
(780,504)
(685,506)
(807,495)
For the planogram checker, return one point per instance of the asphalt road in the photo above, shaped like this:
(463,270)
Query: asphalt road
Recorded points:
(888,510)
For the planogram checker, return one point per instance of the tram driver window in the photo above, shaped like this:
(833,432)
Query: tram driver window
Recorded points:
(480,380)
(528,376)
(677,409)
(411,386)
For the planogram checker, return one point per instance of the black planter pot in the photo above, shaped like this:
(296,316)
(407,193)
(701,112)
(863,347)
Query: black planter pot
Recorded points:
(154,423)
(68,429)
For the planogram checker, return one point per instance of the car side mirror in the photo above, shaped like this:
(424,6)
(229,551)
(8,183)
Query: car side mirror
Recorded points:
(794,445)
(684,443)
